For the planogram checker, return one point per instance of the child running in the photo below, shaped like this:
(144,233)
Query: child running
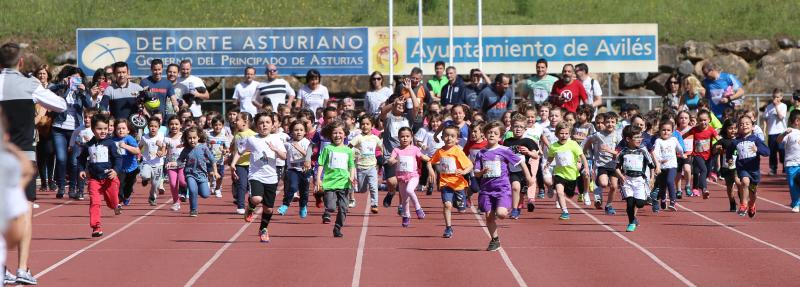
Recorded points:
(219,142)
(199,164)
(519,175)
(565,153)
(406,159)
(153,150)
(492,166)
(129,149)
(453,165)
(240,168)
(265,148)
(298,163)
(702,135)
(336,160)
(666,152)
(174,143)
(602,146)
(727,168)
(791,141)
(366,144)
(749,149)
(99,162)
(632,163)
(79,138)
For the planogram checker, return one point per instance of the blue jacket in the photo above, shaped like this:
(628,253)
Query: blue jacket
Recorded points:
(83,99)
(453,94)
(746,159)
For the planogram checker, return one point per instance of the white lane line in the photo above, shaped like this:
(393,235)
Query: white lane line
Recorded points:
(761,198)
(652,256)
(503,254)
(361,242)
(103,239)
(773,246)
(220,251)
(52,208)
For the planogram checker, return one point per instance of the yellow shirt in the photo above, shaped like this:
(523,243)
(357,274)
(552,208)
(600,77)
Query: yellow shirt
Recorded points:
(239,141)
(448,161)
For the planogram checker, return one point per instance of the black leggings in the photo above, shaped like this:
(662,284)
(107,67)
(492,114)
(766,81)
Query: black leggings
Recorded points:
(126,182)
(631,203)
(700,168)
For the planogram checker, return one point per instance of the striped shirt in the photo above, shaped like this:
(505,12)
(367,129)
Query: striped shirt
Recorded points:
(121,101)
(276,90)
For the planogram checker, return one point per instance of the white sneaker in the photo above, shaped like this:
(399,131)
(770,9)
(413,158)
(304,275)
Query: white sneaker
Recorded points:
(796,209)
(35,205)
(587,200)
(240,211)
(176,206)
(558,205)
(352,203)
(218,193)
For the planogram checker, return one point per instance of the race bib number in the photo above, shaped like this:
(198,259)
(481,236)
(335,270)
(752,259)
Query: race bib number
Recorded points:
(667,153)
(564,158)
(492,168)
(99,154)
(338,160)
(702,145)
(633,162)
(152,149)
(368,148)
(447,165)
(745,149)
(407,163)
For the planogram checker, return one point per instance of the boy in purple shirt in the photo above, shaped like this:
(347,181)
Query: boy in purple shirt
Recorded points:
(491,166)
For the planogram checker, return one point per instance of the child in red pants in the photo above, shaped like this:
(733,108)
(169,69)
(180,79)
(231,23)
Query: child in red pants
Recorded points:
(99,161)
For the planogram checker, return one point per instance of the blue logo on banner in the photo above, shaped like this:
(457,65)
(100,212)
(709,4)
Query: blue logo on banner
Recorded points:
(226,52)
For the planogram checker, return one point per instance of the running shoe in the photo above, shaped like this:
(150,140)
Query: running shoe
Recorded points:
(654,195)
(352,203)
(240,211)
(796,209)
(9,278)
(176,206)
(772,172)
(679,194)
(558,205)
(598,203)
(494,244)
(35,205)
(282,209)
(60,194)
(580,197)
(610,210)
(145,182)
(587,199)
(406,221)
(318,199)
(429,190)
(540,194)
(399,210)
(695,192)
(713,176)
(303,212)
(420,214)
(733,205)
(97,232)
(448,232)
(706,194)
(24,277)
(515,213)
(564,216)
(663,204)
(182,197)
(751,211)
(655,208)
(672,206)
(337,232)
(161,191)
(218,193)
(263,235)
(151,201)
(248,214)
(126,201)
(387,200)
(193,213)
(689,191)
(636,221)
(742,210)
(326,219)
(631,228)
(531,205)
(374,209)
(80,196)
(118,210)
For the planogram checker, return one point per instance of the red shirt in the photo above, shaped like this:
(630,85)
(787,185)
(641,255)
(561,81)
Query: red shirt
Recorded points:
(701,141)
(568,96)
(474,147)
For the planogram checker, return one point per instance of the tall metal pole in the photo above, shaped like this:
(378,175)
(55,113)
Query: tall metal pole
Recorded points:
(223,97)
(480,34)
(450,24)
(421,47)
(391,44)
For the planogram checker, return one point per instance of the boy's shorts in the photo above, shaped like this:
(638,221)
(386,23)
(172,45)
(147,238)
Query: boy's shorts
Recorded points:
(635,187)
(755,176)
(728,174)
(569,185)
(607,171)
(491,202)
(448,194)
(518,177)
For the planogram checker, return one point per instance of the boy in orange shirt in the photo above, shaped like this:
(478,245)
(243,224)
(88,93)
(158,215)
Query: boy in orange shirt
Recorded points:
(453,165)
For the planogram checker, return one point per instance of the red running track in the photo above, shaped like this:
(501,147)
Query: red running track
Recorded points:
(702,244)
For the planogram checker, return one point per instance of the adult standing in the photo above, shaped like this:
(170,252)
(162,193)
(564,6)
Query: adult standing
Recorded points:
(437,83)
(539,86)
(723,90)
(71,88)
(18,96)
(414,86)
(775,116)
(453,92)
(672,99)
(377,94)
(472,91)
(275,89)
(244,92)
(159,86)
(172,108)
(313,95)
(193,89)
(568,93)
(45,151)
(497,99)
(594,93)
(120,97)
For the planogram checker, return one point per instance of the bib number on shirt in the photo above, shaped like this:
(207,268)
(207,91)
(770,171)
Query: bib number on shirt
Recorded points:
(564,158)
(447,165)
(407,163)
(745,150)
(492,168)
(368,148)
(99,154)
(338,160)
(633,162)
(702,145)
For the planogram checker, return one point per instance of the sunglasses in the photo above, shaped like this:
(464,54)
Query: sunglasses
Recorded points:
(673,82)
(377,79)
(272,70)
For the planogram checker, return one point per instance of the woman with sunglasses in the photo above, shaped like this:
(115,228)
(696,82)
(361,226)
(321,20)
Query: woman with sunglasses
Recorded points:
(671,100)
(377,94)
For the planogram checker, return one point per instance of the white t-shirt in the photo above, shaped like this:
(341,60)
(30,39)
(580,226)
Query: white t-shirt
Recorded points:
(429,145)
(667,150)
(295,159)
(313,100)
(174,149)
(12,198)
(188,85)
(792,145)
(285,138)
(775,126)
(373,100)
(262,159)
(151,146)
(277,90)
(534,133)
(244,93)
(592,89)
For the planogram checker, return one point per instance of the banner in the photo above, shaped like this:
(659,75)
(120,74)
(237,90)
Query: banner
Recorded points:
(360,50)
(226,52)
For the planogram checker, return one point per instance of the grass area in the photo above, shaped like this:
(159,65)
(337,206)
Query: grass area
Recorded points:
(50,24)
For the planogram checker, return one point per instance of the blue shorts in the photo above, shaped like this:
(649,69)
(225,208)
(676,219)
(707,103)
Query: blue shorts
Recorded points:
(448,194)
(754,175)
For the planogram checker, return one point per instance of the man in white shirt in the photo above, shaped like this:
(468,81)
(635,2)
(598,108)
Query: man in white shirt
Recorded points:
(243,92)
(775,116)
(189,84)
(594,92)
(276,89)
